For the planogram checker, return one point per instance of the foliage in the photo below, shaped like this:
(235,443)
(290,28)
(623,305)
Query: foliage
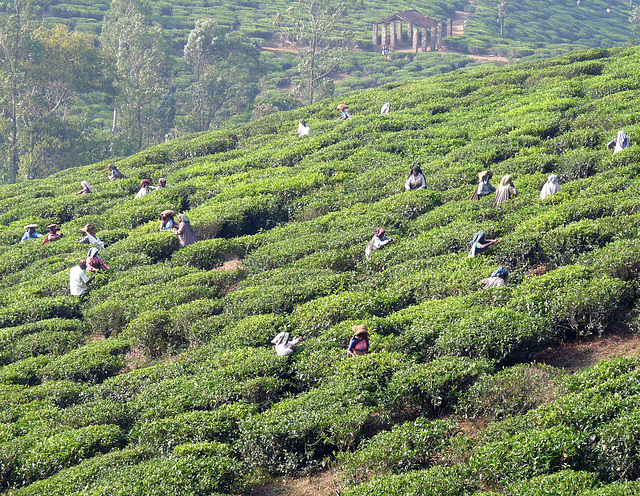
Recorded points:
(185,391)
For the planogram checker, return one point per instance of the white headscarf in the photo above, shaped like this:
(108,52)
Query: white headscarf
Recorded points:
(303,128)
(386,108)
(281,338)
(93,251)
(622,142)
(550,187)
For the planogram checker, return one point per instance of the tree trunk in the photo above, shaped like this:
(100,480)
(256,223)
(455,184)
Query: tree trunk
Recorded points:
(114,125)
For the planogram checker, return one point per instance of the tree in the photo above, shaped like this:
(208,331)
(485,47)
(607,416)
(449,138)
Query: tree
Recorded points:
(309,27)
(16,21)
(143,64)
(502,11)
(226,68)
(42,71)
(634,17)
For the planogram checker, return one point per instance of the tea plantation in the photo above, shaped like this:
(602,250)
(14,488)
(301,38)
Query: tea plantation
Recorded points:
(163,380)
(530,26)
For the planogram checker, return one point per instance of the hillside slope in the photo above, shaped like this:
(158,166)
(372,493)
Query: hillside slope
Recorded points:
(164,381)
(530,26)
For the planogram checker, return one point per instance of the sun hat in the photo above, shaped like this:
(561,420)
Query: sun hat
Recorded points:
(53,226)
(164,213)
(87,228)
(31,226)
(359,330)
(342,106)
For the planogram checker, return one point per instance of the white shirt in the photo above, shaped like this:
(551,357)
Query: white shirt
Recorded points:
(141,193)
(94,240)
(303,130)
(285,349)
(78,280)
(375,244)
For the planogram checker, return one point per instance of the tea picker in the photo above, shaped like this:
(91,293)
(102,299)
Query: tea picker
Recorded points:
(377,242)
(505,191)
(416,179)
(283,346)
(550,187)
(480,243)
(30,233)
(359,344)
(619,143)
(484,186)
(498,278)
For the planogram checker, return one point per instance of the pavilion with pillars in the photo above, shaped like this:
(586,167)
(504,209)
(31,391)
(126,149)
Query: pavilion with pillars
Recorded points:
(421,33)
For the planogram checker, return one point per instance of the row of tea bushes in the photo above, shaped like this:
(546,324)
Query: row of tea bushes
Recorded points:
(187,377)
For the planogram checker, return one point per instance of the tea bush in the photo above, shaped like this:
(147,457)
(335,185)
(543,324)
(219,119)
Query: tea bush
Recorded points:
(408,446)
(430,388)
(436,481)
(187,383)
(565,482)
(512,391)
(530,454)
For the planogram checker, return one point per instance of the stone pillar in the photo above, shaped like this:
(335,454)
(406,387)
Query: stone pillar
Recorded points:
(449,27)
(434,37)
(415,38)
(392,36)
(375,35)
(410,32)
(440,31)
(384,35)
(424,39)
(399,32)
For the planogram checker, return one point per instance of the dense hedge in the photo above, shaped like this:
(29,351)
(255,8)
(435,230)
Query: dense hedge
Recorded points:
(163,378)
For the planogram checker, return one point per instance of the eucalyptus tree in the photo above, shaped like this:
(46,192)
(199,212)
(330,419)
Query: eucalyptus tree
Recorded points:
(310,27)
(16,49)
(143,68)
(226,67)
(42,71)
(502,12)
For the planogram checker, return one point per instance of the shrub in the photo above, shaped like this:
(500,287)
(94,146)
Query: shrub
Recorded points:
(192,427)
(93,363)
(502,335)
(563,483)
(50,455)
(36,309)
(574,299)
(301,431)
(436,481)
(531,453)
(617,447)
(408,446)
(431,388)
(153,331)
(512,391)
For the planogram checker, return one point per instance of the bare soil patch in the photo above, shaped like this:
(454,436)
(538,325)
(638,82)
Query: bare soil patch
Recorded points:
(324,483)
(232,263)
(457,23)
(587,352)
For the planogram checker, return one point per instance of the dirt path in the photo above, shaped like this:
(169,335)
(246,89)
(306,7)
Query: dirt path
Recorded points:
(324,483)
(585,353)
(458,22)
